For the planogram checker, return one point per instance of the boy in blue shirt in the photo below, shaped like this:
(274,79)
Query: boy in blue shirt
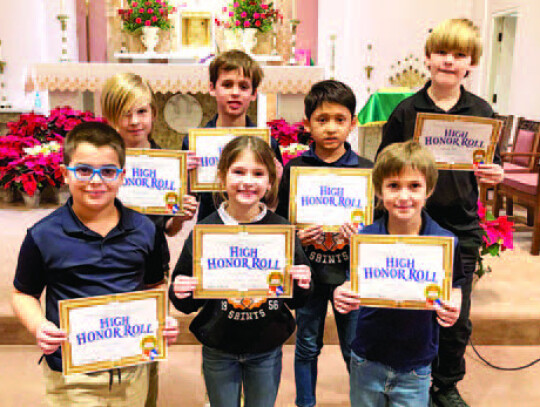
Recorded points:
(394,348)
(91,246)
(452,49)
(329,117)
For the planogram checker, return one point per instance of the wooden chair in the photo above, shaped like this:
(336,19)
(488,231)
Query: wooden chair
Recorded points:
(526,144)
(504,139)
(523,188)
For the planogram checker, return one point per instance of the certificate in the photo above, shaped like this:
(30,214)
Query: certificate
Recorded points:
(458,142)
(112,331)
(401,271)
(243,261)
(330,197)
(155,181)
(207,144)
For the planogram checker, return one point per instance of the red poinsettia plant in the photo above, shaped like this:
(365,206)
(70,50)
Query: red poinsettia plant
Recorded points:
(31,152)
(292,138)
(498,235)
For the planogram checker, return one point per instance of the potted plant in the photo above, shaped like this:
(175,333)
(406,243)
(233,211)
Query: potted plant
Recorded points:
(147,18)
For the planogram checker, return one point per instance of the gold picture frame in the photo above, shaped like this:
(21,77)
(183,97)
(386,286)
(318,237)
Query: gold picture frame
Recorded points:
(452,147)
(172,199)
(210,153)
(319,173)
(240,234)
(67,319)
(442,291)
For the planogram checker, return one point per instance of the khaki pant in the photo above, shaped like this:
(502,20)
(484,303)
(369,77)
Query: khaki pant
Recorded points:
(129,387)
(153,376)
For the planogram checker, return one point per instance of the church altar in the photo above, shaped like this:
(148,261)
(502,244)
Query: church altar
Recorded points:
(174,78)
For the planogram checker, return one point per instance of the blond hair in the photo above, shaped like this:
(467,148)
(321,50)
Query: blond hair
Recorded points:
(398,156)
(263,154)
(234,60)
(122,92)
(458,34)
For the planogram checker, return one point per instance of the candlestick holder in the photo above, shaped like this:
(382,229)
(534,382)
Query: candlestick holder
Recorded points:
(63,18)
(333,38)
(4,104)
(294,26)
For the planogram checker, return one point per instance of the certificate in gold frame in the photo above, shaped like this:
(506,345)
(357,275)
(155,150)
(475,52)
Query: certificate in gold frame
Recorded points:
(212,158)
(366,214)
(431,291)
(243,233)
(477,149)
(172,200)
(159,350)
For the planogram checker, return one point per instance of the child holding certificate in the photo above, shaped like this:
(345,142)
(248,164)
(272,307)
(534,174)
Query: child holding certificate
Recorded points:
(242,338)
(91,246)
(234,79)
(393,348)
(128,103)
(452,49)
(330,117)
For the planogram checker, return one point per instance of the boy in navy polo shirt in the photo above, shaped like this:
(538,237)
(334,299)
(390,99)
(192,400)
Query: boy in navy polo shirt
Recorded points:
(91,246)
(330,117)
(234,79)
(452,50)
(393,348)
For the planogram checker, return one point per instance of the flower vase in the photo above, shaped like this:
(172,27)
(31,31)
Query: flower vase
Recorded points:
(232,39)
(8,195)
(249,39)
(150,38)
(264,43)
(31,201)
(62,194)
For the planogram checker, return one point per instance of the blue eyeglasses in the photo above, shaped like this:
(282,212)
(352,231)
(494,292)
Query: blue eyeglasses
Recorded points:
(107,173)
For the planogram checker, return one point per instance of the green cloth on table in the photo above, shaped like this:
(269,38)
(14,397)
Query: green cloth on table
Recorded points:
(380,105)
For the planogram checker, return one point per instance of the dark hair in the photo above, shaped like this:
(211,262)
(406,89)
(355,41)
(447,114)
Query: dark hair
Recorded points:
(329,91)
(233,60)
(262,152)
(99,135)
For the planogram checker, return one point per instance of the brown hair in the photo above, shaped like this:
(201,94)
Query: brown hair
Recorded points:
(121,92)
(233,60)
(396,157)
(99,135)
(458,34)
(263,154)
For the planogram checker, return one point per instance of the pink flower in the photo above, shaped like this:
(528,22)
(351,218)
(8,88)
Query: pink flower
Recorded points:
(146,3)
(161,10)
(263,16)
(224,9)
(148,23)
(247,24)
(264,6)
(154,19)
(141,10)
(150,11)
(243,15)
(256,15)
(481,210)
(134,4)
(236,4)
(138,20)
(231,13)
(237,23)
(258,23)
(227,24)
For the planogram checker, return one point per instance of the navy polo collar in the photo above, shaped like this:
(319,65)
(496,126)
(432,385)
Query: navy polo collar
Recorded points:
(348,159)
(424,103)
(72,224)
(428,224)
(213,122)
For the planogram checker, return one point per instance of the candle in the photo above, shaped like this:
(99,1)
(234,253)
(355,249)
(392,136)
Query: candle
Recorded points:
(62,7)
(293,9)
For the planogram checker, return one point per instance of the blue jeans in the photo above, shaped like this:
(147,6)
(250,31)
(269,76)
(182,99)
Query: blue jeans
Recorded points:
(376,385)
(226,373)
(309,340)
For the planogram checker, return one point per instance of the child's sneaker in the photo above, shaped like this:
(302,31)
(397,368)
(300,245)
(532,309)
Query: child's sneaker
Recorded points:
(448,397)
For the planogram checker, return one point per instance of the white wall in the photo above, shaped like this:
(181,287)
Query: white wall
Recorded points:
(524,98)
(30,33)
(395,28)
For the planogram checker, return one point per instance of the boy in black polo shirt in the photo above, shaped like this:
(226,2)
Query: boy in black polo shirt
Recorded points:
(91,246)
(234,79)
(330,117)
(452,49)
